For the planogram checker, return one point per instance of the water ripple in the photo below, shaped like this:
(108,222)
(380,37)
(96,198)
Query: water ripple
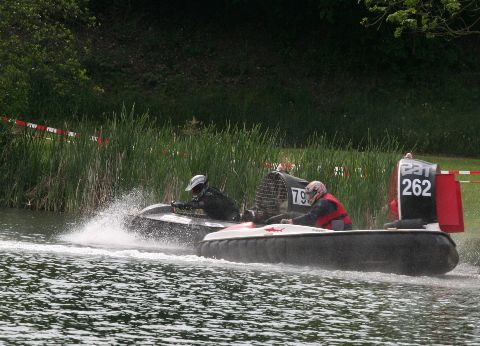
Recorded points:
(64,292)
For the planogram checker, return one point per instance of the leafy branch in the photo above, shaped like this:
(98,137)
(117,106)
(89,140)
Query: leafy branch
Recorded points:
(433,18)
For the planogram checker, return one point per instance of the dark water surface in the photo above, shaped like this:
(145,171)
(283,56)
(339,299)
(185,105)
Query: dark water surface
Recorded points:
(71,282)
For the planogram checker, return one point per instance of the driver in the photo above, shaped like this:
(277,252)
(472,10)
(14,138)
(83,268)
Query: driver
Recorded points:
(326,212)
(213,202)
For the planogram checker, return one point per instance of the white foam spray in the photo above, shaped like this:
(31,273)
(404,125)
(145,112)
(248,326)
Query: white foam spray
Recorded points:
(61,249)
(107,228)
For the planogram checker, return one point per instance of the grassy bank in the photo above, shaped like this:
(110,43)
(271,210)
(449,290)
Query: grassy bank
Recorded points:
(470,191)
(78,175)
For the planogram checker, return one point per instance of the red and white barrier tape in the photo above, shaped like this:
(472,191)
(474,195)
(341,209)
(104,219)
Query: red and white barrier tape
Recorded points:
(345,172)
(460,172)
(338,171)
(44,128)
(463,173)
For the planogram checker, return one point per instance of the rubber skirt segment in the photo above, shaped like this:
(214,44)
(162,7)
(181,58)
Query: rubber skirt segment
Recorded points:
(411,254)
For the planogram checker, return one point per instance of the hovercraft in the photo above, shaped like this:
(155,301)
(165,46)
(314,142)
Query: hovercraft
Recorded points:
(163,222)
(428,206)
(277,194)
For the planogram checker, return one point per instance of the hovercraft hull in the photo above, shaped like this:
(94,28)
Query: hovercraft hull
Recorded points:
(160,222)
(411,252)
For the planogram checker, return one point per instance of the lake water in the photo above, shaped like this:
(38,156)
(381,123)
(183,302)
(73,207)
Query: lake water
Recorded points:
(66,281)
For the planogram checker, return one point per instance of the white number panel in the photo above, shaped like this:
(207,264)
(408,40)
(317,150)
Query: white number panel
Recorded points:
(298,196)
(416,187)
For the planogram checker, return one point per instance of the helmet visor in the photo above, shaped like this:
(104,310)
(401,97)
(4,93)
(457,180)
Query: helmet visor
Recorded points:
(197,189)
(310,196)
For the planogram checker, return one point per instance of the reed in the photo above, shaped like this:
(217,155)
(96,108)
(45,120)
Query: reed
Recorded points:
(79,175)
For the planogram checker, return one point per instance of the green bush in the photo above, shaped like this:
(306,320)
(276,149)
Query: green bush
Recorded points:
(39,59)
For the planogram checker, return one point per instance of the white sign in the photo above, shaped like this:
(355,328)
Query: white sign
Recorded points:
(415,169)
(299,196)
(416,187)
(414,180)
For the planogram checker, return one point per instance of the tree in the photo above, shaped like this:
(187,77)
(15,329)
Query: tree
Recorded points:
(433,18)
(37,50)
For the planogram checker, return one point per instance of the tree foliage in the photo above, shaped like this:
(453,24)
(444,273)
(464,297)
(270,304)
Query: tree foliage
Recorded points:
(433,18)
(38,54)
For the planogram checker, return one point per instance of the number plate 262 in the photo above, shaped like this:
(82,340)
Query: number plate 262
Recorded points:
(416,187)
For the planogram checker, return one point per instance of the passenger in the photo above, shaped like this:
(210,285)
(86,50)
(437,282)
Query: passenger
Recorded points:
(213,202)
(327,212)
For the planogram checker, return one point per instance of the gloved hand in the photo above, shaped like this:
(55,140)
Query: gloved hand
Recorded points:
(285,221)
(248,215)
(179,205)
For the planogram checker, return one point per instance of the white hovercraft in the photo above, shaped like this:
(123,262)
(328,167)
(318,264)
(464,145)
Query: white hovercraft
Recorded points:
(278,194)
(429,207)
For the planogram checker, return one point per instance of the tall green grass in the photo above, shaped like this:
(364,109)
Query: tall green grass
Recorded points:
(359,179)
(79,175)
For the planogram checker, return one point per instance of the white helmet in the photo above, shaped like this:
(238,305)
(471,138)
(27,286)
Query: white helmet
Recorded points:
(314,191)
(198,184)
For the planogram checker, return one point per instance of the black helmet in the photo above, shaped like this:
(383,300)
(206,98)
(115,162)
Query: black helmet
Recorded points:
(198,184)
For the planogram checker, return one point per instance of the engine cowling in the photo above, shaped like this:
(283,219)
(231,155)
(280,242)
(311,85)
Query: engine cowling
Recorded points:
(281,193)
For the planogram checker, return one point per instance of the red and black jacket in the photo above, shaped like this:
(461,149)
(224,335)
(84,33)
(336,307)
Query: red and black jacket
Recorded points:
(325,221)
(323,212)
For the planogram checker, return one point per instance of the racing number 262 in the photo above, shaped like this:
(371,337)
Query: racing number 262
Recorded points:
(416,187)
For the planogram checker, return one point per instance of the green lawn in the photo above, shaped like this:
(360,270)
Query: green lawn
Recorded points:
(470,192)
